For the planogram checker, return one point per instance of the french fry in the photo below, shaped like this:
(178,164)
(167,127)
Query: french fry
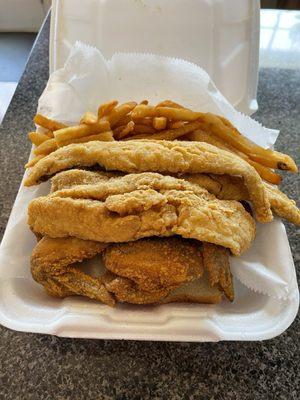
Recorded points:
(159,123)
(143,111)
(89,118)
(46,147)
(171,113)
(34,160)
(122,132)
(48,133)
(118,113)
(176,124)
(266,173)
(123,121)
(269,158)
(144,121)
(103,137)
(106,108)
(48,123)
(78,131)
(37,138)
(202,136)
(170,134)
(145,102)
(169,103)
(149,130)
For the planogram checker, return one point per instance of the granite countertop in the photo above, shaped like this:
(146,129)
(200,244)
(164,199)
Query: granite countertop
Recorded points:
(45,367)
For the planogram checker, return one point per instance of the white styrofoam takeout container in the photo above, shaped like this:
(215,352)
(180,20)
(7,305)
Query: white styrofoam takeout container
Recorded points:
(24,305)
(220,36)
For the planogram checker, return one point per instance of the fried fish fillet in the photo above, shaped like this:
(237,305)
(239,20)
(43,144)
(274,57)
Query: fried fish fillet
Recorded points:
(114,211)
(233,188)
(52,265)
(156,263)
(156,156)
(224,187)
(75,177)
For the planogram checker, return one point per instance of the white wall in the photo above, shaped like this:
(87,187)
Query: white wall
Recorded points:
(22,15)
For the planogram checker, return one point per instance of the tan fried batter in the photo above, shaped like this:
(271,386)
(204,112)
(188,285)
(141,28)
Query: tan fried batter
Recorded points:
(156,263)
(157,156)
(216,261)
(127,291)
(97,215)
(224,187)
(52,265)
(233,188)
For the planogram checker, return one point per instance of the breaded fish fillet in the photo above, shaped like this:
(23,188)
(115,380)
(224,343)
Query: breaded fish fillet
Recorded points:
(91,212)
(157,156)
(233,188)
(224,187)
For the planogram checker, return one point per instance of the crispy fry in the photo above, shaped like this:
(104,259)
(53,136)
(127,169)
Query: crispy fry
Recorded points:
(202,136)
(267,157)
(46,147)
(170,134)
(123,121)
(176,124)
(48,133)
(89,118)
(78,131)
(103,136)
(106,108)
(169,103)
(48,123)
(124,131)
(144,129)
(174,114)
(34,160)
(159,123)
(37,138)
(143,121)
(266,173)
(145,102)
(143,111)
(118,113)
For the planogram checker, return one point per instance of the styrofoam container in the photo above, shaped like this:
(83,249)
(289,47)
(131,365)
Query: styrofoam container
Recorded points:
(25,306)
(220,36)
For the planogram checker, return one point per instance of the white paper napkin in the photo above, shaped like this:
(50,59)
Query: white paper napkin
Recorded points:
(88,79)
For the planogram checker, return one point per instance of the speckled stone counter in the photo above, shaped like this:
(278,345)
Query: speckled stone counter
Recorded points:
(44,367)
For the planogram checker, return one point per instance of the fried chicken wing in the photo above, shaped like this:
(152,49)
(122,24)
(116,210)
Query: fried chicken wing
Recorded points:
(216,261)
(91,213)
(156,263)
(127,291)
(197,291)
(52,265)
(157,156)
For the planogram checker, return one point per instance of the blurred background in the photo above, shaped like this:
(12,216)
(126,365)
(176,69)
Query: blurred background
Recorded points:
(20,20)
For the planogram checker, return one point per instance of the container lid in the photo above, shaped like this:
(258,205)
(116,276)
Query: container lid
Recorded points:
(220,36)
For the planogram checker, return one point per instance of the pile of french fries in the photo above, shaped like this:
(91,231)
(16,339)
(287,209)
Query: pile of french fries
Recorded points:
(165,121)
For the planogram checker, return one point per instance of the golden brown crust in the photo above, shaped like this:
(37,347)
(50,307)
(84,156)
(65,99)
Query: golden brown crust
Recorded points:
(216,261)
(156,263)
(142,213)
(224,187)
(52,265)
(161,156)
